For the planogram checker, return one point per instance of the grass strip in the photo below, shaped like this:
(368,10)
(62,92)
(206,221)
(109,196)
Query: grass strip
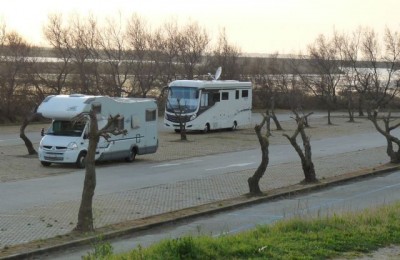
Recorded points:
(298,238)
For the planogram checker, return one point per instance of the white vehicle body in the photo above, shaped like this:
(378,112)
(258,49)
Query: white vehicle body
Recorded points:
(66,139)
(208,105)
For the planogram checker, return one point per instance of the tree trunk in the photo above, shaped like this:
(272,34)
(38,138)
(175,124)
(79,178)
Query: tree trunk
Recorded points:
(276,121)
(28,143)
(182,128)
(305,157)
(390,139)
(85,215)
(254,180)
(329,117)
(350,107)
(268,123)
(360,104)
(306,161)
(394,156)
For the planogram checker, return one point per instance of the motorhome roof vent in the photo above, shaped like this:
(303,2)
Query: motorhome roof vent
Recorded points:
(76,95)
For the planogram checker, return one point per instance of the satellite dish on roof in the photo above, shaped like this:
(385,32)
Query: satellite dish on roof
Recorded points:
(218,73)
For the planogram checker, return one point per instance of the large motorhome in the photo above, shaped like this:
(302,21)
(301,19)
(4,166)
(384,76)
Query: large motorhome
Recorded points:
(208,105)
(66,140)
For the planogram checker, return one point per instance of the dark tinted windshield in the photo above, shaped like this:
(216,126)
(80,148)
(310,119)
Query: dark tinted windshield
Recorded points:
(66,128)
(185,97)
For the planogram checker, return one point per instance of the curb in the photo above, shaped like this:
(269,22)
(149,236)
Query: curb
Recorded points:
(117,230)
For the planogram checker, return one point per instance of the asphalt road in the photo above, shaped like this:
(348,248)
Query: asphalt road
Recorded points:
(355,196)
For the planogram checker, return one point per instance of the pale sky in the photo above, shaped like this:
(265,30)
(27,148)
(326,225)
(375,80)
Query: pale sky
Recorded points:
(256,26)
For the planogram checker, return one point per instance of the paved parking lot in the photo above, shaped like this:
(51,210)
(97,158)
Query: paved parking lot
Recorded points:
(28,229)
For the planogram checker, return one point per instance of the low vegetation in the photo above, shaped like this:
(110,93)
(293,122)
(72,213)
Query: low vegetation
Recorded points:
(349,234)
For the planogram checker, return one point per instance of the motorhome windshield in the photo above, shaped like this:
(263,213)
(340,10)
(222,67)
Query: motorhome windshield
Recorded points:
(66,128)
(183,99)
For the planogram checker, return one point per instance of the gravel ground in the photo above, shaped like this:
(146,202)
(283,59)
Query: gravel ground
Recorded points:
(16,164)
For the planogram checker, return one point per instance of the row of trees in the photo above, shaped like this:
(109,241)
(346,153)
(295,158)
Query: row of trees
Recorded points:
(130,58)
(354,71)
(114,59)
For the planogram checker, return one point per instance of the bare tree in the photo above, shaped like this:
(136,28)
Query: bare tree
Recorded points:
(81,43)
(85,215)
(192,43)
(145,53)
(225,55)
(54,75)
(390,139)
(254,180)
(266,79)
(326,65)
(353,76)
(385,81)
(167,39)
(28,143)
(305,156)
(118,64)
(14,60)
(373,70)
(40,75)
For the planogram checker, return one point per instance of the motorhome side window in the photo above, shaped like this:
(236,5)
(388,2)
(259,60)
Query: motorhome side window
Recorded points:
(237,94)
(225,95)
(216,97)
(245,93)
(208,99)
(150,115)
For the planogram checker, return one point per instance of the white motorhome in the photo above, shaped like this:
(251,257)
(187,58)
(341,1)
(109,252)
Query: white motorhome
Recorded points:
(66,139)
(208,105)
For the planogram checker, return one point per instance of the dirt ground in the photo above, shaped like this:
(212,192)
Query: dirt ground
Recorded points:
(16,164)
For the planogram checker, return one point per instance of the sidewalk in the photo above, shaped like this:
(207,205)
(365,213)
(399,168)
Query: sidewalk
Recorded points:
(48,228)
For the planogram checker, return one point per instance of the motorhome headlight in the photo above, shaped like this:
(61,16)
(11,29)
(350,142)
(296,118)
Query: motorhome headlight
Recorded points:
(72,146)
(193,117)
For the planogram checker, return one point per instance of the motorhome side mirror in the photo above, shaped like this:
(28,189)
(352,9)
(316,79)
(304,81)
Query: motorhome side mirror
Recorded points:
(42,132)
(85,136)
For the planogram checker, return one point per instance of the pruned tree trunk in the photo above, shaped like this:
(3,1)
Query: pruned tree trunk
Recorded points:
(305,117)
(276,121)
(268,123)
(85,215)
(306,158)
(360,104)
(329,117)
(254,180)
(25,123)
(273,116)
(182,121)
(390,139)
(350,106)
(182,127)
